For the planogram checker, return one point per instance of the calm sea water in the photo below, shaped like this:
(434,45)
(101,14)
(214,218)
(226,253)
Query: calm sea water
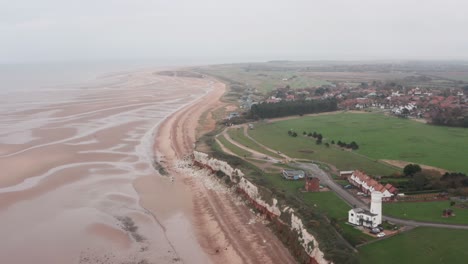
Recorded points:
(27,77)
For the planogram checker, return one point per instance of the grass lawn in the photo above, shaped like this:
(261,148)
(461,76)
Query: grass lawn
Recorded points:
(235,149)
(335,208)
(353,235)
(378,137)
(329,203)
(277,181)
(422,245)
(426,211)
(275,136)
(237,134)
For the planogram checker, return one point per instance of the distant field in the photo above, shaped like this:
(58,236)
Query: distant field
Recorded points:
(378,137)
(419,246)
(427,211)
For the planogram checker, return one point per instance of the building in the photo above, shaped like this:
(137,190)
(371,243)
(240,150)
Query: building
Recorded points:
(312,184)
(345,174)
(293,174)
(368,218)
(368,185)
(233,115)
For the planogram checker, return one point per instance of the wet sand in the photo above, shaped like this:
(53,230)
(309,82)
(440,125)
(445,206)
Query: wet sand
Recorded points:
(68,166)
(77,183)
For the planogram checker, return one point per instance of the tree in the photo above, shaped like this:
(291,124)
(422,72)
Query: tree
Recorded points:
(309,135)
(304,133)
(333,142)
(318,141)
(419,181)
(327,145)
(290,132)
(353,145)
(294,134)
(411,169)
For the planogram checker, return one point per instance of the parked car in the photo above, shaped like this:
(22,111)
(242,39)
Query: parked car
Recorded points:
(381,234)
(375,230)
(348,186)
(360,193)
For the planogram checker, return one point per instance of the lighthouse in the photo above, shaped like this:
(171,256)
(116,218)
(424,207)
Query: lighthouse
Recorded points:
(376,207)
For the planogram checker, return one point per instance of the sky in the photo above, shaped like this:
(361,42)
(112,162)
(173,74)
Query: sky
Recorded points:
(37,31)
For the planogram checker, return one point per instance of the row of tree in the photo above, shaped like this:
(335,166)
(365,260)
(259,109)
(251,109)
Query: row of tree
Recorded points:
(292,133)
(353,145)
(288,108)
(455,182)
(456,117)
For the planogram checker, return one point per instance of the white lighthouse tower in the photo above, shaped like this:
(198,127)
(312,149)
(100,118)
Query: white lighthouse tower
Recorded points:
(376,207)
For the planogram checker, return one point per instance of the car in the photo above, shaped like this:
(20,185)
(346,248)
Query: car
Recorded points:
(360,193)
(381,234)
(348,186)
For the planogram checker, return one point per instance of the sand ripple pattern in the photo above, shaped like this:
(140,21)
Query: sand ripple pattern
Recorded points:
(69,160)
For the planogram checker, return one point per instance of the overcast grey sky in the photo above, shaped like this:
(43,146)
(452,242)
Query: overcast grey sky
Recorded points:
(218,30)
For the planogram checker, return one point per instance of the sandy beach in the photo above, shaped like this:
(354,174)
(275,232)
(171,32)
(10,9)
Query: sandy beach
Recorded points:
(78,185)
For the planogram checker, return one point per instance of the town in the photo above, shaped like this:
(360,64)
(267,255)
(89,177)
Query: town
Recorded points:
(373,157)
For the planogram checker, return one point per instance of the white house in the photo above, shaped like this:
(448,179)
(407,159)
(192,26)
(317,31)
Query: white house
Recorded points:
(363,217)
(293,174)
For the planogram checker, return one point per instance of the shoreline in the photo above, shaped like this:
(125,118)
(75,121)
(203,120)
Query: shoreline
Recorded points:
(85,150)
(223,227)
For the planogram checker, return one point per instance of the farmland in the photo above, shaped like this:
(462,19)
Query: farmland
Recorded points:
(421,245)
(378,136)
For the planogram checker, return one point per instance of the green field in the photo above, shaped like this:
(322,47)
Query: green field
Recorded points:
(426,211)
(419,246)
(237,134)
(329,203)
(235,149)
(378,137)
(265,81)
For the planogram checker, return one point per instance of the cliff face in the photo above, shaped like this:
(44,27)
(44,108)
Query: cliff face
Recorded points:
(271,209)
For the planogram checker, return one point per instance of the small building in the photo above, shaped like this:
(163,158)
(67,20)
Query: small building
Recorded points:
(344,175)
(312,184)
(361,217)
(368,218)
(233,115)
(293,174)
(447,213)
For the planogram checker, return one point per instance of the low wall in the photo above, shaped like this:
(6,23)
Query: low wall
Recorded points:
(272,210)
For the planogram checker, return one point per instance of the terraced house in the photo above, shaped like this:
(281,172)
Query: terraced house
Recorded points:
(368,185)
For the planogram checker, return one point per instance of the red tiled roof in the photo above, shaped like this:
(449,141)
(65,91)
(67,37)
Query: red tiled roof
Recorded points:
(373,183)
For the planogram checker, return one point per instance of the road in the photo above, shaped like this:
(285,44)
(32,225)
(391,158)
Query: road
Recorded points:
(353,201)
(325,179)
